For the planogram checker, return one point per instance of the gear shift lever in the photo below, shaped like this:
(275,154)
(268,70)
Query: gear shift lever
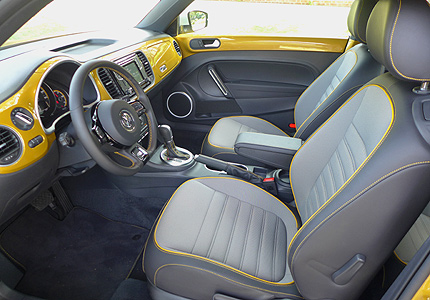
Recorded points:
(167,137)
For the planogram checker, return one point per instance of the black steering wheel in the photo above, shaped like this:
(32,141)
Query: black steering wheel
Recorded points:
(112,130)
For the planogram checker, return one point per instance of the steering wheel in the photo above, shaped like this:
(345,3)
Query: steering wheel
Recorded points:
(112,129)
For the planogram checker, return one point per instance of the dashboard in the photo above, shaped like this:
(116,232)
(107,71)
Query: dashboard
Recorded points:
(34,100)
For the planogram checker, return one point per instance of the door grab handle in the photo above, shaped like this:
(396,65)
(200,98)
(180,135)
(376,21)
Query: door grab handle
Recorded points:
(216,43)
(218,81)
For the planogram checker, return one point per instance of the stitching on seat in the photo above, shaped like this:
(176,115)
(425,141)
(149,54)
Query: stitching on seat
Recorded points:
(359,135)
(204,218)
(246,236)
(218,225)
(393,120)
(274,252)
(260,243)
(232,232)
(369,187)
(341,166)
(351,156)
(330,171)
(340,57)
(213,262)
(391,52)
(213,273)
(322,111)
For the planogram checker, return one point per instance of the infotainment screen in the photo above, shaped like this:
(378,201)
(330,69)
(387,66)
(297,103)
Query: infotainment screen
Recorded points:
(134,71)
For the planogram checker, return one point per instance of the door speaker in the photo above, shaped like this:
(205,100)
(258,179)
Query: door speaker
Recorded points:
(179,104)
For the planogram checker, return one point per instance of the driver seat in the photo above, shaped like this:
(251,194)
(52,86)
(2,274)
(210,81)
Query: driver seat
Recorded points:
(359,183)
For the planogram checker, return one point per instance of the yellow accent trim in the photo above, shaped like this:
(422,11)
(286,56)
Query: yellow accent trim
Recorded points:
(424,291)
(343,55)
(132,162)
(356,171)
(159,52)
(322,110)
(228,279)
(391,52)
(351,43)
(245,125)
(250,43)
(351,200)
(210,260)
(398,257)
(25,97)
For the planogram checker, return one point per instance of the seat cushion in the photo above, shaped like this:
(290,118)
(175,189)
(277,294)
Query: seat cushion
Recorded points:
(221,226)
(219,142)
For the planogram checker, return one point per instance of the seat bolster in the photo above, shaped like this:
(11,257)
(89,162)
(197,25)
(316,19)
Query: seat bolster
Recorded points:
(182,264)
(344,77)
(225,131)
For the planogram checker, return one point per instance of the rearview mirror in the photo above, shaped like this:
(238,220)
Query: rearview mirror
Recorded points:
(198,20)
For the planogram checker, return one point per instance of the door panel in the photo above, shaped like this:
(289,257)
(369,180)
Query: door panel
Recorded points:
(259,81)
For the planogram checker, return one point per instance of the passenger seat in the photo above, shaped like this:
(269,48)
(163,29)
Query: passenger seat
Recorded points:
(317,103)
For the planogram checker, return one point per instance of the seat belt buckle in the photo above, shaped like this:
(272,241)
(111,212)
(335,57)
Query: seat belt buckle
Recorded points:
(269,184)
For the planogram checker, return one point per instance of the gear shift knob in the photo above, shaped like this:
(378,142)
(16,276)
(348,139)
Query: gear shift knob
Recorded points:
(165,133)
(167,137)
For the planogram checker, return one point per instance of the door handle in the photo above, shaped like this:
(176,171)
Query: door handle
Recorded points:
(218,81)
(200,44)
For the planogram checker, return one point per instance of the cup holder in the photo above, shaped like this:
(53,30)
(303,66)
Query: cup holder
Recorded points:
(282,179)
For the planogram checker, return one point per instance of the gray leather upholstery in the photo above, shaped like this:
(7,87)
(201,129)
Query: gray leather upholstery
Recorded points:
(358,17)
(223,226)
(394,46)
(360,181)
(317,103)
(415,237)
(273,150)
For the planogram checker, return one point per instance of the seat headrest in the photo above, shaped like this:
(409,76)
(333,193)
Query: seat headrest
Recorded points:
(358,17)
(397,36)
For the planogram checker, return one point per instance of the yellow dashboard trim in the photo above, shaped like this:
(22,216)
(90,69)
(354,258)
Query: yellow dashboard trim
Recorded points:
(235,43)
(25,98)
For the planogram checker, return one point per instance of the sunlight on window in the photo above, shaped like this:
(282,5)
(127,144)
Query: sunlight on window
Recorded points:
(65,17)
(279,18)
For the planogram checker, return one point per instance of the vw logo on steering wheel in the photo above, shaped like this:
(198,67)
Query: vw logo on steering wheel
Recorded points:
(127,121)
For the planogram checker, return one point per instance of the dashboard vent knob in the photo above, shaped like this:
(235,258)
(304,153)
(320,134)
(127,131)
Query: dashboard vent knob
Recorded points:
(10,146)
(177,48)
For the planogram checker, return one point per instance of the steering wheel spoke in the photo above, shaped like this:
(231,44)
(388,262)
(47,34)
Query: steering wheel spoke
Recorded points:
(112,132)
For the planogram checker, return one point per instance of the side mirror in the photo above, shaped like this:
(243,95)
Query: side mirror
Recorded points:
(198,20)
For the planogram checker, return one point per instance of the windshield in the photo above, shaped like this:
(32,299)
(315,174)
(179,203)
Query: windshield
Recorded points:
(62,17)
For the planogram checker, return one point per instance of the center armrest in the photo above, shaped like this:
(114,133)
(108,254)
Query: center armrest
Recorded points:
(273,150)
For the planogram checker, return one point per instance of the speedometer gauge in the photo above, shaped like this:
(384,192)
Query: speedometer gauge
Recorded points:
(61,99)
(43,102)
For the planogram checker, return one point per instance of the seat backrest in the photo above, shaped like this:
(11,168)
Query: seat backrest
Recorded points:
(360,180)
(336,84)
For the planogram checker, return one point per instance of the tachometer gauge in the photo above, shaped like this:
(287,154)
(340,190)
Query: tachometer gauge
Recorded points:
(61,99)
(45,101)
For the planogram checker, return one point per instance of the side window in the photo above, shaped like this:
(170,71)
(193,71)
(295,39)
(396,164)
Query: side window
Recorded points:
(290,18)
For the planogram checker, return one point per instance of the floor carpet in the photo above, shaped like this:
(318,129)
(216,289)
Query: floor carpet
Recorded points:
(86,256)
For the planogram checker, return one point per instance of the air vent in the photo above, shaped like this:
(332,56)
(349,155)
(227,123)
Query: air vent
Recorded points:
(109,83)
(10,147)
(178,50)
(146,65)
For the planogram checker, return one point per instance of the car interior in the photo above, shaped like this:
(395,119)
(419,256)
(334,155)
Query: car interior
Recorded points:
(158,162)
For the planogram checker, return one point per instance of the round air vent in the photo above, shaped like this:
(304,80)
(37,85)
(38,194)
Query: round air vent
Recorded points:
(10,146)
(179,104)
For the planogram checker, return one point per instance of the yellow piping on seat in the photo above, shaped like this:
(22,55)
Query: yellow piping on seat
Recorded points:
(356,171)
(253,287)
(210,260)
